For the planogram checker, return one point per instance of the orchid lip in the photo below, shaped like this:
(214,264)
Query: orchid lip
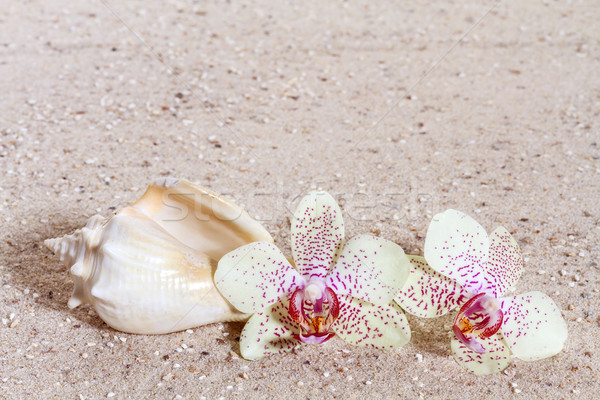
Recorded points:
(314,308)
(480,317)
(317,338)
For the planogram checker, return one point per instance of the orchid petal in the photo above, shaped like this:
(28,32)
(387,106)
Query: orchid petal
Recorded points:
(427,293)
(457,246)
(268,332)
(505,262)
(317,234)
(369,268)
(256,275)
(369,325)
(533,326)
(495,359)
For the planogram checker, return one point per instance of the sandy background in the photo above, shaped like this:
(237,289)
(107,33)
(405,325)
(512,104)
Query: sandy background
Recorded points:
(261,101)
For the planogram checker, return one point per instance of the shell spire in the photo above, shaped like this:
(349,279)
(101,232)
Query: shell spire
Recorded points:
(71,250)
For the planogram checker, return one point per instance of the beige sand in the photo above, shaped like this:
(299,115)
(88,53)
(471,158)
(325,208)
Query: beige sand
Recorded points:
(376,102)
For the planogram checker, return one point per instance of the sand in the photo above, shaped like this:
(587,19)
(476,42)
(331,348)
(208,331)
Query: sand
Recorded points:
(398,109)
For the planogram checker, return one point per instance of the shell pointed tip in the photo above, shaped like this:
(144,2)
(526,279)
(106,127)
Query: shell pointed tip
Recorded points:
(77,269)
(50,244)
(166,182)
(94,222)
(74,302)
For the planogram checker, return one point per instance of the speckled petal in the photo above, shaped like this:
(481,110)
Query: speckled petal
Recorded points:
(369,325)
(268,332)
(496,359)
(256,275)
(457,246)
(369,268)
(427,293)
(505,262)
(317,234)
(533,326)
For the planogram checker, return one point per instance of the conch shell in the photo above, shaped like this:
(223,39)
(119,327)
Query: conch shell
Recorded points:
(149,268)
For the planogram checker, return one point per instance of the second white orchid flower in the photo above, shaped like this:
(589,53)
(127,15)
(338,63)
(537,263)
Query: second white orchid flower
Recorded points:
(332,290)
(471,270)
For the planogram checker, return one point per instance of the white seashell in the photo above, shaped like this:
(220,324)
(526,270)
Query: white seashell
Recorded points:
(149,268)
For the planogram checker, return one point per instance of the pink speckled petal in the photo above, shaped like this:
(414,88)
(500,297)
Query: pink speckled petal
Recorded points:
(427,293)
(268,332)
(369,268)
(317,234)
(505,262)
(496,358)
(533,326)
(369,325)
(457,246)
(254,276)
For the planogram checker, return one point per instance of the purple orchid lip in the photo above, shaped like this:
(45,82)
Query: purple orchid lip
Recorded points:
(314,314)
(480,317)
(316,338)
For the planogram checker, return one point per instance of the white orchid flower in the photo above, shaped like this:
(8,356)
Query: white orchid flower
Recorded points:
(332,290)
(471,270)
